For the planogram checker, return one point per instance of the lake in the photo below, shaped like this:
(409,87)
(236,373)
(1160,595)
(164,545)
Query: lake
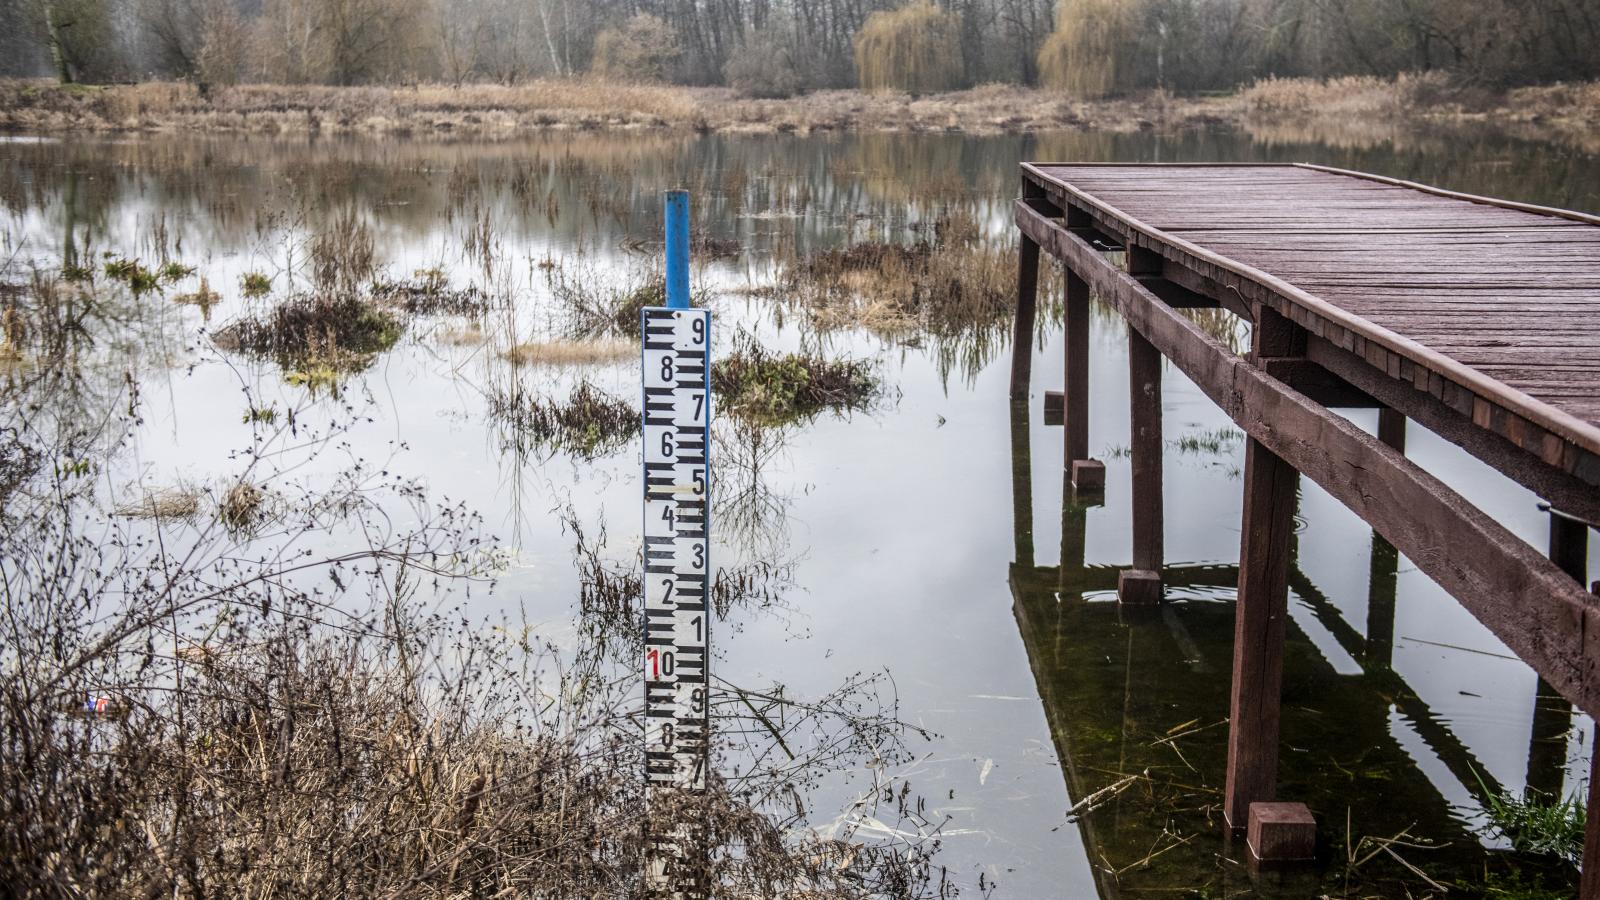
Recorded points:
(922,539)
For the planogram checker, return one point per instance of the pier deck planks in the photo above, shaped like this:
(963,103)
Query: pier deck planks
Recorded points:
(1500,301)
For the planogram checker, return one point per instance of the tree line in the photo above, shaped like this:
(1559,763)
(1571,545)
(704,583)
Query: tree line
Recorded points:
(782,47)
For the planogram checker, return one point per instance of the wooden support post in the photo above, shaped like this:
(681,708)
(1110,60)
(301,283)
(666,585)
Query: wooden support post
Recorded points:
(1262,609)
(1258,633)
(1392,428)
(1074,544)
(1383,574)
(1383,580)
(1547,743)
(1143,583)
(1021,483)
(1552,714)
(1589,885)
(1086,474)
(1022,336)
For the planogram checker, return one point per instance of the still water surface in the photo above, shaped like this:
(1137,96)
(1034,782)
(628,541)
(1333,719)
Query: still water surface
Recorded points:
(928,536)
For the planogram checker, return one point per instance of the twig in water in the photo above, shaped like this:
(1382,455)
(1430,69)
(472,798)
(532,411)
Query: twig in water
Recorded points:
(1087,805)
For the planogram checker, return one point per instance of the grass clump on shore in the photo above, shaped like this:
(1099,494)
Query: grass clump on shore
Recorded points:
(588,424)
(338,331)
(774,388)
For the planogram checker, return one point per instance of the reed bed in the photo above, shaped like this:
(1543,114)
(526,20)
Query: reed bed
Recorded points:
(571,353)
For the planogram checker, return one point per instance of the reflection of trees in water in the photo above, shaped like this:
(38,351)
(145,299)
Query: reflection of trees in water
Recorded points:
(747,512)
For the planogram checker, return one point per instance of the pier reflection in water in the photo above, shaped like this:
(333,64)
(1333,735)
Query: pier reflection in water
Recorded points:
(1137,699)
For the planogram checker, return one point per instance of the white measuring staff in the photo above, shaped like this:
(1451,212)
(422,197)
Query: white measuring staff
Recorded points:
(677,563)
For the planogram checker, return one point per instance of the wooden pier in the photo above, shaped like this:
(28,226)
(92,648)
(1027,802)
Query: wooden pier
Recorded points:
(1475,318)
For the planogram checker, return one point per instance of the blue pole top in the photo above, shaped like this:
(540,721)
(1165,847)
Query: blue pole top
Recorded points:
(677,230)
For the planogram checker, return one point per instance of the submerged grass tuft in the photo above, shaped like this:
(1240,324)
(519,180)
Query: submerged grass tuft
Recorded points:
(203,297)
(588,424)
(775,388)
(180,502)
(954,290)
(175,271)
(339,331)
(130,272)
(428,293)
(255,284)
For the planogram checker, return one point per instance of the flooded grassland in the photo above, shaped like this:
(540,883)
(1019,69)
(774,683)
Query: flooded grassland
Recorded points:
(320,483)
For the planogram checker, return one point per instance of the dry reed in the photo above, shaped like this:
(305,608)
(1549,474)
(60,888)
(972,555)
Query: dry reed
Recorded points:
(571,353)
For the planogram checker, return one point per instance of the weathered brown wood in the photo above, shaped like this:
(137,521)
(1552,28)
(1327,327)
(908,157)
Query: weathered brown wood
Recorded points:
(1547,743)
(1551,482)
(1589,886)
(1022,336)
(1075,403)
(1021,483)
(1552,714)
(1259,623)
(1244,230)
(1392,428)
(1382,582)
(1569,545)
(1529,603)
(1144,417)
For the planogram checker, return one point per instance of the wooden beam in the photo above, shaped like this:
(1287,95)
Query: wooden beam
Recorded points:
(1534,426)
(1537,610)
(1566,491)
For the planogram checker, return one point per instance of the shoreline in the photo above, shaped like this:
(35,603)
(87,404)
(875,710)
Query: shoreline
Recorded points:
(498,112)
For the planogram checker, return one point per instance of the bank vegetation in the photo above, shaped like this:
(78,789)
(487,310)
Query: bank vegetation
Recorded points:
(490,111)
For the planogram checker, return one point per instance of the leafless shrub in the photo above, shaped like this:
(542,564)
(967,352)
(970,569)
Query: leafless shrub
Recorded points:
(641,48)
(763,68)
